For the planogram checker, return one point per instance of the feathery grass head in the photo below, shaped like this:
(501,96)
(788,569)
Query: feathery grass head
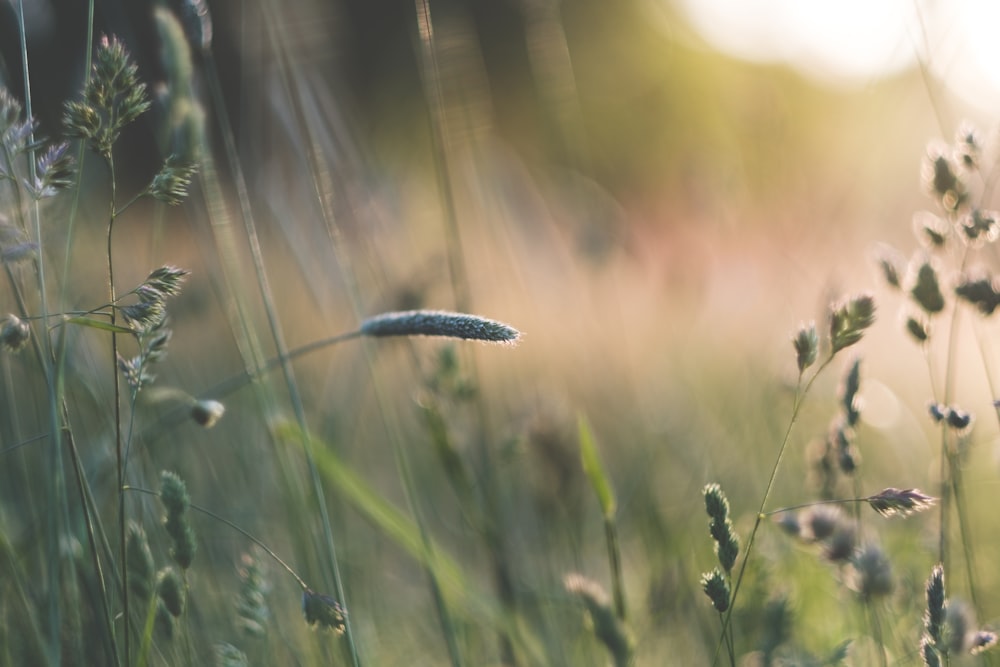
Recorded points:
(171,591)
(175,499)
(942,179)
(54,171)
(10,112)
(251,604)
(871,572)
(900,502)
(968,146)
(934,616)
(165,281)
(918,328)
(889,261)
(14,333)
(926,290)
(841,439)
(979,291)
(716,587)
(164,621)
(819,522)
(839,547)
(112,98)
(141,570)
(207,413)
(959,419)
(981,640)
(849,400)
(727,543)
(171,183)
(15,132)
(806,343)
(323,612)
(227,655)
(440,323)
(849,319)
(608,628)
(928,653)
(197,24)
(979,227)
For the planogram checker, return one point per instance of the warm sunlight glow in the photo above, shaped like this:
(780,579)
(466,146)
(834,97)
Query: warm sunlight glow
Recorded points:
(856,41)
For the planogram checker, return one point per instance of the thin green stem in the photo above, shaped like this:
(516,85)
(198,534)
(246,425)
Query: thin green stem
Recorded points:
(615,561)
(270,308)
(237,528)
(836,501)
(800,395)
(235,382)
(58,517)
(119,440)
(494,535)
(129,203)
(876,626)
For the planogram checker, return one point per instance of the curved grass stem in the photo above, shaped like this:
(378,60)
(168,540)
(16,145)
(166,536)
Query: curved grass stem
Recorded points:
(800,395)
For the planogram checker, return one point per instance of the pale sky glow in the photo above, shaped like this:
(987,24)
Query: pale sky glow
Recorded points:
(859,41)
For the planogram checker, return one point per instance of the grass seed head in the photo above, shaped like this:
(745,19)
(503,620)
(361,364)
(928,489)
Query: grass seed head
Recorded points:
(928,653)
(871,572)
(980,291)
(14,333)
(806,343)
(171,183)
(820,522)
(982,640)
(840,546)
(207,413)
(171,591)
(849,400)
(608,628)
(716,587)
(889,261)
(942,179)
(175,499)
(112,98)
(926,291)
(900,502)
(323,612)
(440,323)
(919,329)
(251,603)
(227,655)
(934,616)
(141,570)
(849,319)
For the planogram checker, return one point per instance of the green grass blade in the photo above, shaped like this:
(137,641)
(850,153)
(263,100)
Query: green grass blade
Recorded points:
(457,588)
(99,324)
(594,469)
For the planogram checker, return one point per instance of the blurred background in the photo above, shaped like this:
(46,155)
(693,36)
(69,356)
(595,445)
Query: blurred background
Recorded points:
(657,193)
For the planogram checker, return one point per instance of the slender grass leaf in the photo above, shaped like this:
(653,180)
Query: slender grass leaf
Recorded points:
(99,324)
(595,469)
(406,534)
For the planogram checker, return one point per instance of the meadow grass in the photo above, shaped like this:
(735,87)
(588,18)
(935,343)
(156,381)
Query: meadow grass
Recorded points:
(253,520)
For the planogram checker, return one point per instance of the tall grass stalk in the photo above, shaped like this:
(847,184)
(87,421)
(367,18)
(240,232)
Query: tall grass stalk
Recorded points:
(240,321)
(800,394)
(496,524)
(57,516)
(320,175)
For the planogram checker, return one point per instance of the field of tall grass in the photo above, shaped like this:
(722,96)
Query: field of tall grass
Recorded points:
(613,352)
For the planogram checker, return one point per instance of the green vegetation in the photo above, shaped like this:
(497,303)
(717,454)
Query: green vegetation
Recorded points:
(244,431)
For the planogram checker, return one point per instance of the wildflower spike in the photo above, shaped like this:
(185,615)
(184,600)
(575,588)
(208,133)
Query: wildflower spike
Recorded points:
(900,502)
(439,323)
(323,611)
